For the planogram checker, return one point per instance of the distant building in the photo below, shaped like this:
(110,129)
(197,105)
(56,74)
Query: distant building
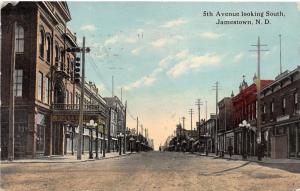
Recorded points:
(225,125)
(208,132)
(117,121)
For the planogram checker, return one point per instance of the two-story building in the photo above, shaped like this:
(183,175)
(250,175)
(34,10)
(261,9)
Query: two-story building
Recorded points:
(225,125)
(244,109)
(281,116)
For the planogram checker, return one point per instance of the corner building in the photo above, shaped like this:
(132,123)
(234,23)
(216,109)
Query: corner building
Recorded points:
(43,75)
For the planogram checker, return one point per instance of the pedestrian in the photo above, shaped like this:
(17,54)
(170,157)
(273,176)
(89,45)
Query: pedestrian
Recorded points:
(230,149)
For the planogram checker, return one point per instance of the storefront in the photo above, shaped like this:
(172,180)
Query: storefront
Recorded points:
(41,122)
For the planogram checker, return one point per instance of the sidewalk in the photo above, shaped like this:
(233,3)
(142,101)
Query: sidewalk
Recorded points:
(67,158)
(253,159)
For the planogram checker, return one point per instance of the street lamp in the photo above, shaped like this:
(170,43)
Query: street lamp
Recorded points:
(91,125)
(131,142)
(137,145)
(120,135)
(245,125)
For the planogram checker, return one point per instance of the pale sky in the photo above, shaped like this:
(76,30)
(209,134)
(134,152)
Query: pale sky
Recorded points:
(165,55)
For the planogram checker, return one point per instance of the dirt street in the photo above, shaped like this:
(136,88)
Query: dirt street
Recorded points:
(151,171)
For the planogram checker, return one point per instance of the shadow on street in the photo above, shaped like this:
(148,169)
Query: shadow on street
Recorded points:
(226,170)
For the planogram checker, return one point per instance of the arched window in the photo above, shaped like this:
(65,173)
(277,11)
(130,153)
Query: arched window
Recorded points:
(42,43)
(19,39)
(68,64)
(62,59)
(48,48)
(56,55)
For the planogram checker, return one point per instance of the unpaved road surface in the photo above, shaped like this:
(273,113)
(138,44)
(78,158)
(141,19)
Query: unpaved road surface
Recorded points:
(151,171)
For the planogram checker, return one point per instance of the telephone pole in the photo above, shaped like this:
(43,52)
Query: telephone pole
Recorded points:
(11,134)
(183,118)
(191,112)
(199,103)
(124,147)
(79,145)
(258,86)
(216,87)
(137,134)
(205,110)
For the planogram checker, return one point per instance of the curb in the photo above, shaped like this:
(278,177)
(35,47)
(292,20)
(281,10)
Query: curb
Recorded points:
(72,161)
(256,161)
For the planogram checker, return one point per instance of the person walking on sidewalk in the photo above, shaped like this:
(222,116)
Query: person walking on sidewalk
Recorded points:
(230,149)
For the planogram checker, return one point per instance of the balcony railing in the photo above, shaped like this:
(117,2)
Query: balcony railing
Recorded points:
(75,107)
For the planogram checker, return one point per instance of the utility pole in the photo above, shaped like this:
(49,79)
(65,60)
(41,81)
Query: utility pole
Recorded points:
(191,112)
(216,132)
(79,145)
(125,113)
(183,118)
(280,53)
(198,103)
(258,86)
(205,110)
(11,134)
(137,134)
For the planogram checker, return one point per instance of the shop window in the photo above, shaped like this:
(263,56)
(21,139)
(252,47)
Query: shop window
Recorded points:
(19,39)
(40,132)
(18,86)
(280,130)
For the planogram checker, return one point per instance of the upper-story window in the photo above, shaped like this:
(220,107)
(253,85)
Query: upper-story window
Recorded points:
(283,105)
(41,43)
(62,57)
(18,87)
(56,55)
(68,65)
(272,107)
(48,48)
(46,90)
(295,102)
(40,86)
(19,39)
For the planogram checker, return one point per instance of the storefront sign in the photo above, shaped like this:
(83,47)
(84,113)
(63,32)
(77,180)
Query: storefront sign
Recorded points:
(74,118)
(282,118)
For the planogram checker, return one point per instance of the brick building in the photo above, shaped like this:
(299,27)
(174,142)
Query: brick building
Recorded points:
(208,133)
(244,109)
(117,121)
(281,116)
(225,125)
(46,98)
